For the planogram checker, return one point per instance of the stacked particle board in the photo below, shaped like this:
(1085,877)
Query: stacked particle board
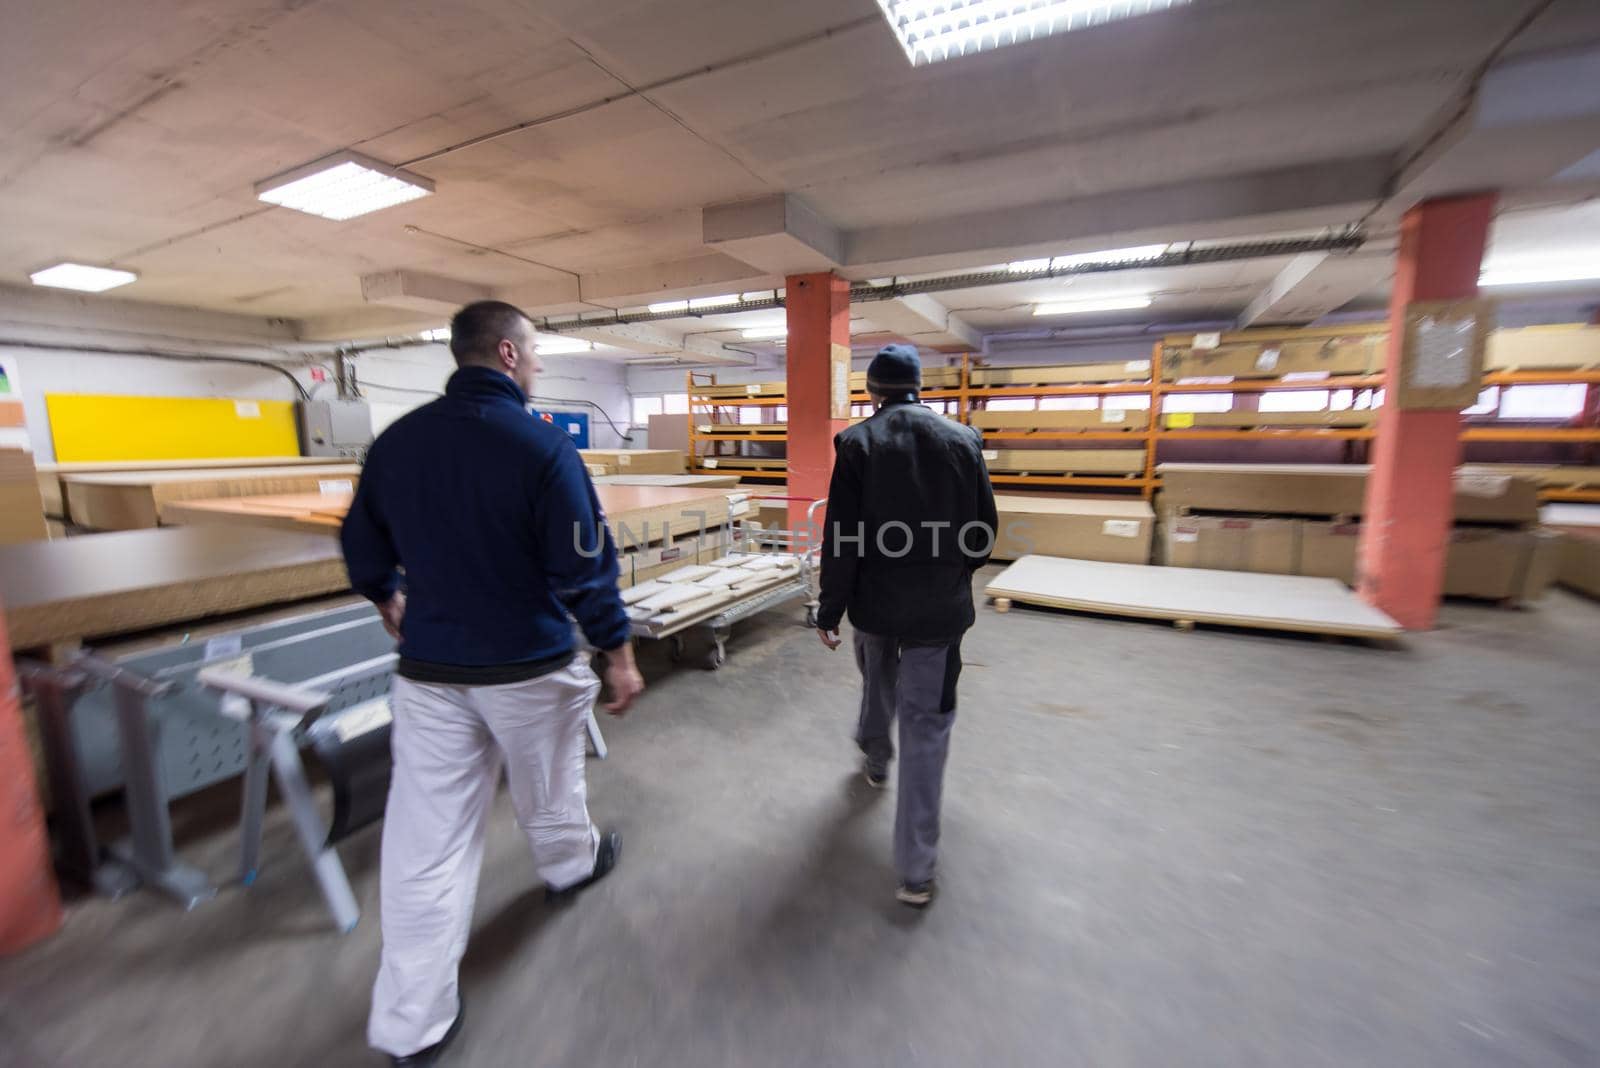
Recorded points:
(132,500)
(1253,420)
(1551,477)
(1092,419)
(634,461)
(1579,526)
(1229,598)
(1084,528)
(1543,347)
(743,389)
(762,465)
(50,475)
(1062,374)
(932,378)
(695,481)
(1356,351)
(1482,496)
(21,507)
(104,584)
(1494,552)
(1065,461)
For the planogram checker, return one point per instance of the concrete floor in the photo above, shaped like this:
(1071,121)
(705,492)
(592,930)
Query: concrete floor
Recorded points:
(1160,848)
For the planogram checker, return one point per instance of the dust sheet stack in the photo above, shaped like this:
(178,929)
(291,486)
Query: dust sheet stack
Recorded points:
(1305,520)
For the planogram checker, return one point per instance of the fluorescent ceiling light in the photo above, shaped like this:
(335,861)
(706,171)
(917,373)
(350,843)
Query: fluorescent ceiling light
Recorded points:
(723,301)
(81,277)
(763,333)
(342,186)
(1541,274)
(1127,302)
(765,294)
(440,334)
(556,345)
(1137,254)
(932,30)
(668,306)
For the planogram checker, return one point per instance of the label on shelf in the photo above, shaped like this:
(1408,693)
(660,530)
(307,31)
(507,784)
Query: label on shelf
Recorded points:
(1113,415)
(1268,360)
(1177,420)
(1137,366)
(1206,342)
(335,485)
(1185,533)
(703,428)
(991,454)
(624,460)
(739,507)
(1120,528)
(709,463)
(1482,484)
(753,389)
(247,409)
(224,645)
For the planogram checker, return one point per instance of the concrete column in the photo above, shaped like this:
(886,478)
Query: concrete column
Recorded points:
(1409,513)
(818,307)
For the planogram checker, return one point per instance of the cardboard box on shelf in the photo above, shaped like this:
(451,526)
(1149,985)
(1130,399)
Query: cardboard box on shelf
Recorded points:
(1082,528)
(1579,526)
(1225,543)
(634,461)
(1482,496)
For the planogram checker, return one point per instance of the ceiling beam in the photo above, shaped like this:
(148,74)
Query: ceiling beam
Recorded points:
(1316,283)
(921,320)
(778,235)
(418,291)
(643,338)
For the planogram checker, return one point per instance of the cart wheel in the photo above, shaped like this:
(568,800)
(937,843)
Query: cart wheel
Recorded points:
(811,617)
(675,649)
(716,656)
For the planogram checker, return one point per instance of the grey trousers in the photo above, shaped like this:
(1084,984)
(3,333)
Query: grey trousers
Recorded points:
(916,683)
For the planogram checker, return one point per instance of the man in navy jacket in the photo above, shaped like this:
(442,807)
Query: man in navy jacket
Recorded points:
(478,534)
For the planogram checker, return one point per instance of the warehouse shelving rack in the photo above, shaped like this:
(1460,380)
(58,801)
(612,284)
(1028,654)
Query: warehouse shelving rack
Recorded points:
(709,427)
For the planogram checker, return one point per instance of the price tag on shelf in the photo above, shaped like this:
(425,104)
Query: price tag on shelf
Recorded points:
(1206,342)
(1268,360)
(1137,367)
(335,485)
(1179,420)
(1120,528)
(753,389)
(1113,415)
(709,463)
(991,454)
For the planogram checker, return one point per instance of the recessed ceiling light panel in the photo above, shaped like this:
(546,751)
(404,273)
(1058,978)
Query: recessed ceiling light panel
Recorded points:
(82,277)
(556,345)
(765,333)
(1125,302)
(343,186)
(933,30)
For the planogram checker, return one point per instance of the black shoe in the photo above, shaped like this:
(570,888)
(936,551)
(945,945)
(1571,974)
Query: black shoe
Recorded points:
(605,858)
(877,775)
(429,1056)
(916,895)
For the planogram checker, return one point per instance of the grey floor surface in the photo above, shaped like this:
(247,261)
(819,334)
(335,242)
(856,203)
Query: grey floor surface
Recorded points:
(1160,848)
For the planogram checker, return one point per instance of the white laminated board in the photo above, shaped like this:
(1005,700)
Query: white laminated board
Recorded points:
(1230,598)
(691,573)
(635,594)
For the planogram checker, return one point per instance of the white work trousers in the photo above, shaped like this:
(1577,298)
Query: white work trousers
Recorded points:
(449,743)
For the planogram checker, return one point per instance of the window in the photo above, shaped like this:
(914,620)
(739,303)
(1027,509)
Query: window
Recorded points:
(1127,400)
(1010,404)
(780,414)
(1068,404)
(1488,401)
(1299,400)
(1542,402)
(1197,402)
(675,404)
(752,415)
(644,408)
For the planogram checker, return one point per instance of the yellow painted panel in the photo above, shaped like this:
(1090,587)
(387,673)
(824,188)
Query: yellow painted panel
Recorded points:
(98,427)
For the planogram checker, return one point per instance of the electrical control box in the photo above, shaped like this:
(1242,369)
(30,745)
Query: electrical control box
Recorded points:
(335,428)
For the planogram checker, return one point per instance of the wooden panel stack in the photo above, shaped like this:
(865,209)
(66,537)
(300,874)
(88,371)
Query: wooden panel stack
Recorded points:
(634,461)
(133,500)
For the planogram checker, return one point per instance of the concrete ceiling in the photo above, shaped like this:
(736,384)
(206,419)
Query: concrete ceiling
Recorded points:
(132,135)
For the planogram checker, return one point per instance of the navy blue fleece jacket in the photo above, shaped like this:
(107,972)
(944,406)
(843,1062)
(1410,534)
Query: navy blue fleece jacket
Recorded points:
(492,518)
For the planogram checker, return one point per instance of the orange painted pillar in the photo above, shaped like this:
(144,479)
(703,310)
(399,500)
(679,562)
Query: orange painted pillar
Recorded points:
(818,309)
(1409,505)
(30,907)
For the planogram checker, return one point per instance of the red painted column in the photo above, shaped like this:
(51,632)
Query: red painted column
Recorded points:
(818,307)
(1409,512)
(30,908)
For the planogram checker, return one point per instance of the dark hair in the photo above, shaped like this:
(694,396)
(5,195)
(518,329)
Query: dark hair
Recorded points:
(477,330)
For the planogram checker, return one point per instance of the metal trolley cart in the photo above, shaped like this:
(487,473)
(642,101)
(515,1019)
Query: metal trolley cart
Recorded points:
(782,567)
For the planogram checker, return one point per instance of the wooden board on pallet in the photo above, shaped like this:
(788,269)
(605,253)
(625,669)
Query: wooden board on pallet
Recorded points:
(1076,461)
(745,463)
(50,475)
(103,584)
(1191,595)
(1062,374)
(635,461)
(1356,354)
(132,500)
(307,513)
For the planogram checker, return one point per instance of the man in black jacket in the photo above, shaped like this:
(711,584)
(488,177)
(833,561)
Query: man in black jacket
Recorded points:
(911,516)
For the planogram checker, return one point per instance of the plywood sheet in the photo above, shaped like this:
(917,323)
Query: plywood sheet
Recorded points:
(1072,373)
(50,474)
(106,584)
(1084,528)
(1095,419)
(1231,598)
(312,513)
(692,481)
(1482,495)
(132,500)
(1077,461)
(1543,346)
